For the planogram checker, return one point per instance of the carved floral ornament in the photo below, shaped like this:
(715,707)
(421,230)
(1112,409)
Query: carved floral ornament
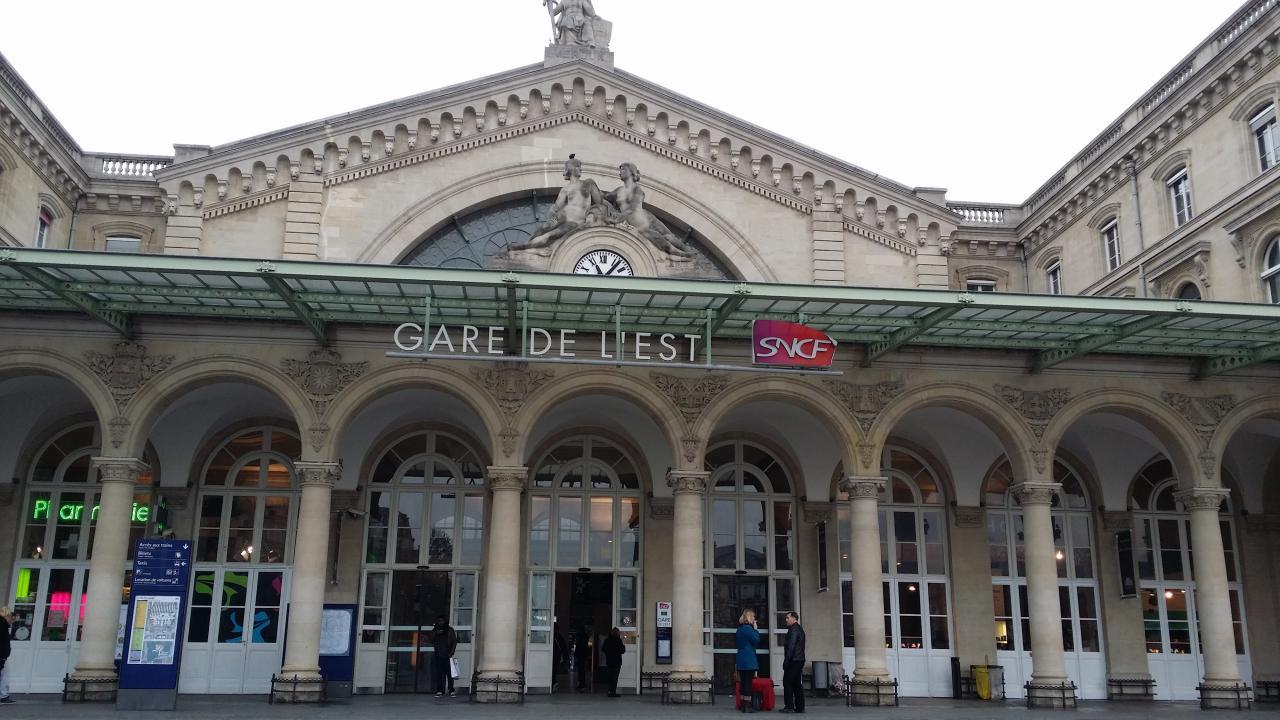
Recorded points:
(691,398)
(866,402)
(1203,413)
(510,384)
(1035,493)
(322,376)
(318,473)
(1037,407)
(126,369)
(862,487)
(122,470)
(507,478)
(687,482)
(1202,498)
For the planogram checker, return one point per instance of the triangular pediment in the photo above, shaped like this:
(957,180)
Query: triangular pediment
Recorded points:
(415,129)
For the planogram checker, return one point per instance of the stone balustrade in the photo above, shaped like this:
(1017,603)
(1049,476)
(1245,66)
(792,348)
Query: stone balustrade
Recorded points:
(125,166)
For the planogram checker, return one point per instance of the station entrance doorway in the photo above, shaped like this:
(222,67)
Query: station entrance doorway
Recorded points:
(571,615)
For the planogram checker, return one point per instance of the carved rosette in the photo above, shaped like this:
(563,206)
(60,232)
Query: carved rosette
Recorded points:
(1204,413)
(507,478)
(322,376)
(691,398)
(118,469)
(863,487)
(970,517)
(1035,493)
(510,384)
(126,369)
(1202,498)
(1037,407)
(683,482)
(866,402)
(323,474)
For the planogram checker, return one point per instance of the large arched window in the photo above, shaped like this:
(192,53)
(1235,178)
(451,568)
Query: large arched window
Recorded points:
(750,549)
(424,544)
(1077,578)
(913,559)
(55,535)
(1271,270)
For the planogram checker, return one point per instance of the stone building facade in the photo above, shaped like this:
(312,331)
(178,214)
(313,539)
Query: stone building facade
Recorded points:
(532,502)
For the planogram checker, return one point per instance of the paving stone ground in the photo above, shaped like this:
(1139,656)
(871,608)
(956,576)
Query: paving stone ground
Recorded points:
(571,707)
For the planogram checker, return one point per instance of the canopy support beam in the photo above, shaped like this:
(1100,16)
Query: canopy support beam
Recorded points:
(907,334)
(1048,358)
(118,321)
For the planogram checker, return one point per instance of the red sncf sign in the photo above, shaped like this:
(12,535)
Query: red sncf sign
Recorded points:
(778,342)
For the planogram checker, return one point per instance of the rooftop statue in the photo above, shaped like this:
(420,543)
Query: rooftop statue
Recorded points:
(572,21)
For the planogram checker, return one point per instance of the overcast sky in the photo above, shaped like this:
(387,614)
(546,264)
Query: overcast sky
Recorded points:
(986,98)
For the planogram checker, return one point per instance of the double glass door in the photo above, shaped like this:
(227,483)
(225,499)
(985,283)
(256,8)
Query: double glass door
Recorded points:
(235,630)
(417,598)
(580,608)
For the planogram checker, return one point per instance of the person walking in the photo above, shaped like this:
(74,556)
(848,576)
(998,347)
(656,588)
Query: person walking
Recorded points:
(444,642)
(793,666)
(581,657)
(747,640)
(614,649)
(6,631)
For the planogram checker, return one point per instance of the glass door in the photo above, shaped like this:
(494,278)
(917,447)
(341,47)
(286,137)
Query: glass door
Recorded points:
(539,650)
(418,597)
(626,612)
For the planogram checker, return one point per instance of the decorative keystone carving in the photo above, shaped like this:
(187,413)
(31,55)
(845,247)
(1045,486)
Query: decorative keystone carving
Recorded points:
(271,177)
(1113,520)
(682,482)
(1202,498)
(1208,464)
(318,435)
(690,397)
(816,512)
(1040,458)
(117,469)
(662,508)
(1204,413)
(126,369)
(1037,407)
(970,517)
(117,428)
(342,157)
(862,487)
(866,454)
(507,478)
(322,376)
(510,383)
(1035,493)
(866,402)
(318,473)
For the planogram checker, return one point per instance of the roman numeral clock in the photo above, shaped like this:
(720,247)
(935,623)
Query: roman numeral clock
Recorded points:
(603,262)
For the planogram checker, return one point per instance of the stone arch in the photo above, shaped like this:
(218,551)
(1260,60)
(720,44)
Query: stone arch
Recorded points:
(634,453)
(384,381)
(402,233)
(1007,426)
(1251,409)
(1179,440)
(46,362)
(154,397)
(606,382)
(785,389)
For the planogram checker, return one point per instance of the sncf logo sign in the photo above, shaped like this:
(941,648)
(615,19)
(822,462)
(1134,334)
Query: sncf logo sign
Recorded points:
(778,342)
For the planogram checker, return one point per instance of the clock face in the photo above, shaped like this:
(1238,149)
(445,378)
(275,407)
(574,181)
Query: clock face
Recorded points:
(603,262)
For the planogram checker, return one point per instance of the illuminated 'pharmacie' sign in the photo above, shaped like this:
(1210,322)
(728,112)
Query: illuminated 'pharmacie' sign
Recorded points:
(72,511)
(777,345)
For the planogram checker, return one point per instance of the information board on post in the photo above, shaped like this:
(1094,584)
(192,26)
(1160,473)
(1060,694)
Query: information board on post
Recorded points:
(662,633)
(152,651)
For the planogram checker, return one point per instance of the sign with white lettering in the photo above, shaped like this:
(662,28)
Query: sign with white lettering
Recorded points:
(782,343)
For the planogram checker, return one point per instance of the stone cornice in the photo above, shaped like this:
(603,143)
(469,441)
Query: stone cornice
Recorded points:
(245,202)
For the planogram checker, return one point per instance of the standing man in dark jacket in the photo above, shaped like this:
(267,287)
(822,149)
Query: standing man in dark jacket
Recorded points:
(444,642)
(793,666)
(6,630)
(614,649)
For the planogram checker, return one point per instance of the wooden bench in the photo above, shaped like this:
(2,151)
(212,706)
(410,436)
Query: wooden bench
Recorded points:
(1131,687)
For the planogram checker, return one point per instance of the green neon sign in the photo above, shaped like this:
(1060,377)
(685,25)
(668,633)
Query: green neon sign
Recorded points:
(71,512)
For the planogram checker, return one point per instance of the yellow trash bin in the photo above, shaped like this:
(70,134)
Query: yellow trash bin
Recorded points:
(982,681)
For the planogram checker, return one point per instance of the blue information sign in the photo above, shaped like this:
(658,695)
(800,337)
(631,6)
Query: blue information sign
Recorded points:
(157,613)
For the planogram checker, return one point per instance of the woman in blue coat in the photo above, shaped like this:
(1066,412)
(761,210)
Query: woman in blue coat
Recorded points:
(747,639)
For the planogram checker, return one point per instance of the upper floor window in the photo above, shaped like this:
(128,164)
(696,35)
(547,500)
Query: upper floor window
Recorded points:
(980,285)
(1180,196)
(1271,271)
(42,227)
(1263,127)
(1111,244)
(1189,291)
(124,244)
(1053,277)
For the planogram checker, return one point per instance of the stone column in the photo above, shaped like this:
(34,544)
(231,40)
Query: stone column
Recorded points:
(1049,686)
(869,670)
(500,662)
(689,488)
(1213,601)
(310,553)
(106,575)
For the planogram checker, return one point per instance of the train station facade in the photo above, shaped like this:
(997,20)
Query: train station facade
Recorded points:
(497,353)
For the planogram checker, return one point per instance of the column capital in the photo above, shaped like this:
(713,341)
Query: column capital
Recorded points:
(1202,498)
(684,482)
(863,486)
(119,469)
(507,477)
(1035,492)
(318,473)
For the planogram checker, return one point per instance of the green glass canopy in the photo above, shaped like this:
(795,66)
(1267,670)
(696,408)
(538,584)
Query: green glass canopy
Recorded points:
(117,288)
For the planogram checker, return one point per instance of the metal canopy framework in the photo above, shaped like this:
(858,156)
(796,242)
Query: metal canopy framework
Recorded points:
(118,288)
